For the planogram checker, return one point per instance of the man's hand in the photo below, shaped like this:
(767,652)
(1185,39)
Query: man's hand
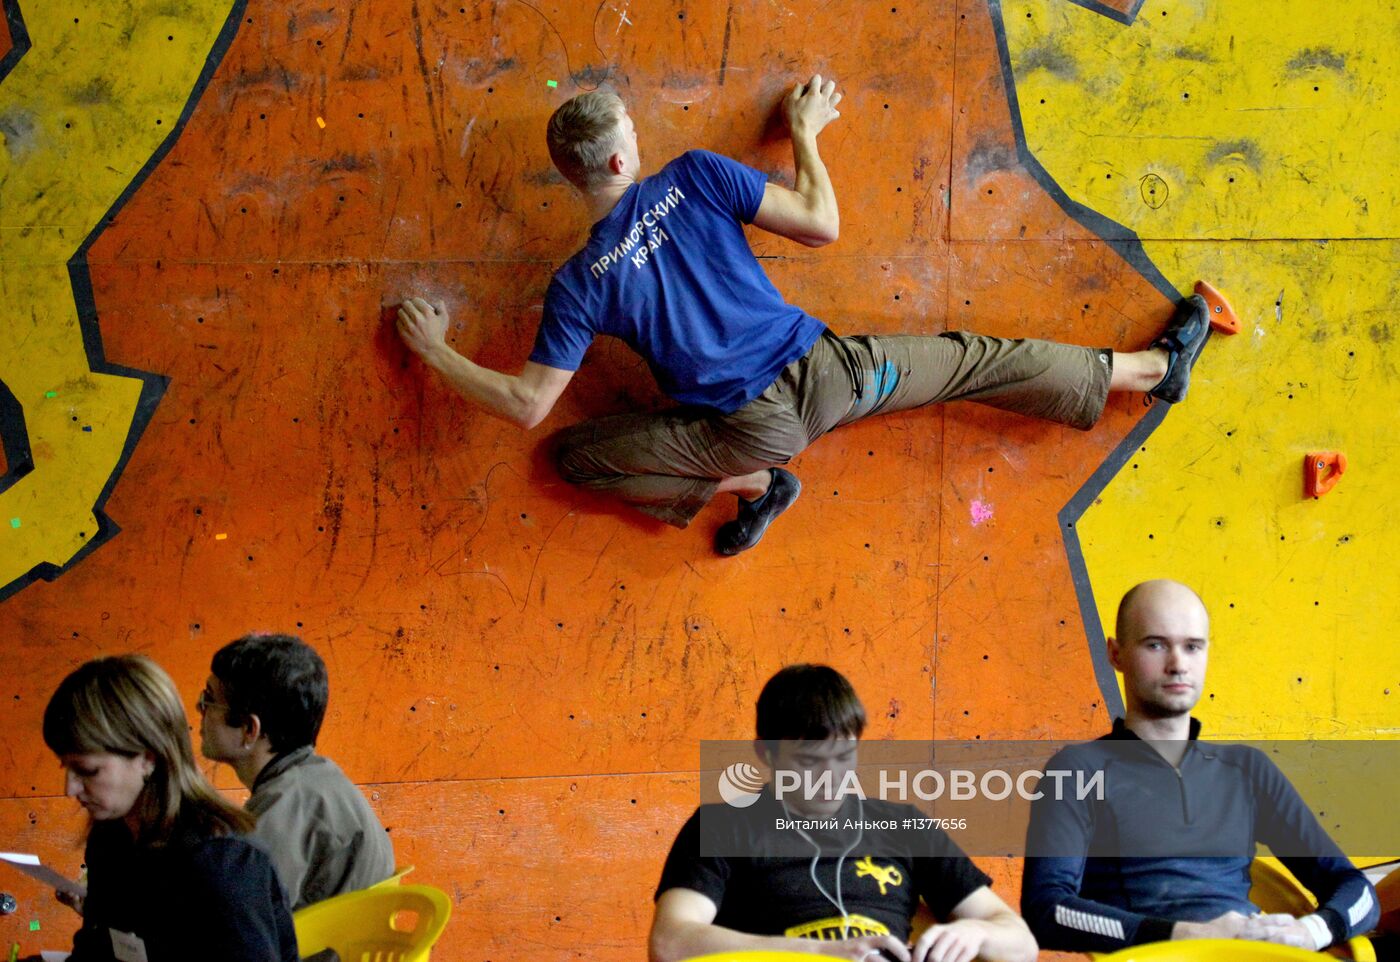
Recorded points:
(1280,928)
(867,948)
(807,213)
(811,106)
(423,326)
(1227,926)
(524,399)
(958,941)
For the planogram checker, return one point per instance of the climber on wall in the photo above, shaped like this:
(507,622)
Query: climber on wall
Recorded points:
(667,269)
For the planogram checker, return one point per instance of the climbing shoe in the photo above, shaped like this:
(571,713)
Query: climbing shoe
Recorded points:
(1182,340)
(754,517)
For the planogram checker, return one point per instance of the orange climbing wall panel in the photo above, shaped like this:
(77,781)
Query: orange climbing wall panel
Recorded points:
(521,673)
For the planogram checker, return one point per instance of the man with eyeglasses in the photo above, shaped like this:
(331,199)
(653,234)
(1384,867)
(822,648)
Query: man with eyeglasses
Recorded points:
(260,712)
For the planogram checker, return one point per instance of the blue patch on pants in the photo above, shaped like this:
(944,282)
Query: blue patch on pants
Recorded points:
(880,384)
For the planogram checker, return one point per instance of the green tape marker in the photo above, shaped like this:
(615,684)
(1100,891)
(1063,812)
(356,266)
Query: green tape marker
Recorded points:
(34,925)
(14,522)
(551,83)
(50,394)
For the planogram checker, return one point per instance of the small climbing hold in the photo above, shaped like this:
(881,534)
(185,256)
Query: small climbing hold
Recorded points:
(1222,316)
(1321,472)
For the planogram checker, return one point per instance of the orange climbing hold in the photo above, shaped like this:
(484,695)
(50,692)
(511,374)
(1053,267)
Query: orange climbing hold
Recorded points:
(1222,315)
(1321,472)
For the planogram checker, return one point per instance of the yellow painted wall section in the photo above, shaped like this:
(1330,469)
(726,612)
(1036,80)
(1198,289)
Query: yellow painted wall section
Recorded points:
(1252,145)
(100,89)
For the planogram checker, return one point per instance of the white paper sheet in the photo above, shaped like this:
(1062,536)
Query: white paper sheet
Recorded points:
(31,866)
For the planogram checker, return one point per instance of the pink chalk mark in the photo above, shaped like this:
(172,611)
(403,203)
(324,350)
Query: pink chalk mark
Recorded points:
(981,512)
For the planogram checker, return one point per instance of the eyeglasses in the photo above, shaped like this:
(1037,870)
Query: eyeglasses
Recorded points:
(206,701)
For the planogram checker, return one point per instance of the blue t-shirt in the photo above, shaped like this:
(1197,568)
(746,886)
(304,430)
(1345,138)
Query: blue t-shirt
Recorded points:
(670,272)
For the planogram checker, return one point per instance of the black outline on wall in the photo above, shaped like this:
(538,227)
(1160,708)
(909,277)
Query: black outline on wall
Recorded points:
(12,427)
(14,435)
(1128,246)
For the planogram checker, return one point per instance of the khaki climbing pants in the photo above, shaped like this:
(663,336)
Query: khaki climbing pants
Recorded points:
(668,464)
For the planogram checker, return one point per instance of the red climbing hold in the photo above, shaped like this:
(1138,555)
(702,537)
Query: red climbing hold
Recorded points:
(1222,315)
(1321,472)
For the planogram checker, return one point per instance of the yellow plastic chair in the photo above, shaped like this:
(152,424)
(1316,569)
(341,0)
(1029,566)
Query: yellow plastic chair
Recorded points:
(1274,889)
(395,923)
(1210,950)
(396,878)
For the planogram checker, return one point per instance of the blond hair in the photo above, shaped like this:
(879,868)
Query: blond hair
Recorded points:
(583,133)
(127,705)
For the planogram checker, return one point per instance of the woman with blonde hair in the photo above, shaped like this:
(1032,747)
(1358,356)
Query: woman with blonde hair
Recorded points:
(170,876)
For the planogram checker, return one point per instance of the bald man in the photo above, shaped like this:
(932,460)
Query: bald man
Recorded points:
(1165,852)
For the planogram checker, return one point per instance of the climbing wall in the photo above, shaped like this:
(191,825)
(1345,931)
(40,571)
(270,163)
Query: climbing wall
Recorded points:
(1204,137)
(209,426)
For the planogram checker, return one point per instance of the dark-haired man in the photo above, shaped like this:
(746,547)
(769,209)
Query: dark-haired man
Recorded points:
(845,897)
(1166,852)
(261,711)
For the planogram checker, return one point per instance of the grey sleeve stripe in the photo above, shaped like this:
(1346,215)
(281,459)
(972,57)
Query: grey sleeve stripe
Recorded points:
(1361,907)
(1097,924)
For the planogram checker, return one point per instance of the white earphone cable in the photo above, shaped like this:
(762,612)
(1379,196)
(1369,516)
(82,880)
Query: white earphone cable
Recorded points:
(837,903)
